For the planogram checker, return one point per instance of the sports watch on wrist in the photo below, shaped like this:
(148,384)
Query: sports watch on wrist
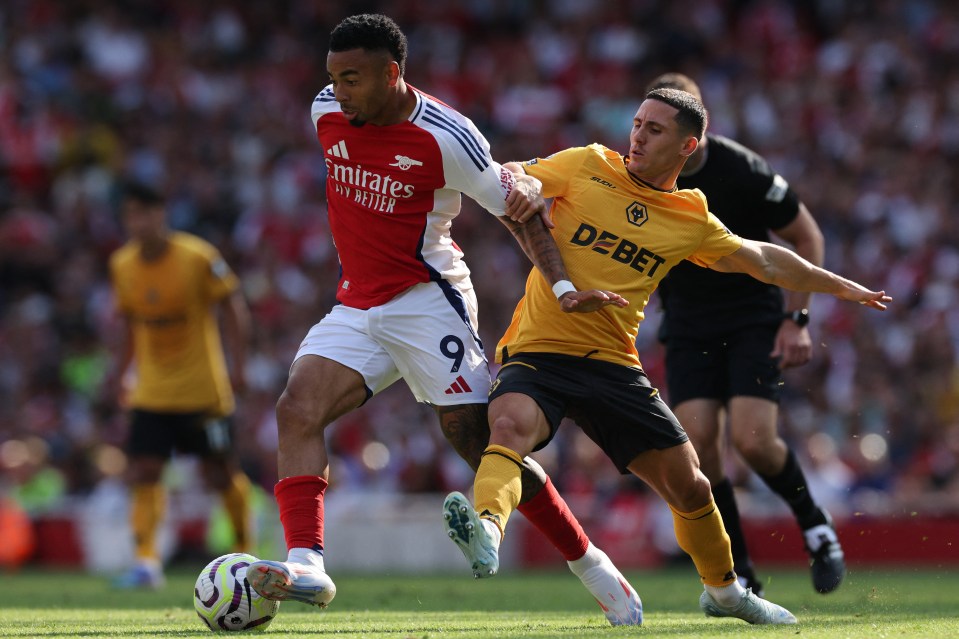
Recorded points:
(800,317)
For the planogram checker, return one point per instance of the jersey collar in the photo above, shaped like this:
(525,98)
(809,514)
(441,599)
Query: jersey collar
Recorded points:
(644,183)
(418,107)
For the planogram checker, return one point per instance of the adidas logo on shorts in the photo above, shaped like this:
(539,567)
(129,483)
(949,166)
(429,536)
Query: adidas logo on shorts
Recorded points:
(459,386)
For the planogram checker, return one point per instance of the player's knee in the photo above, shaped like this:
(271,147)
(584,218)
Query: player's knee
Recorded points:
(503,426)
(751,453)
(690,495)
(218,472)
(760,452)
(146,469)
(297,414)
(216,482)
(509,432)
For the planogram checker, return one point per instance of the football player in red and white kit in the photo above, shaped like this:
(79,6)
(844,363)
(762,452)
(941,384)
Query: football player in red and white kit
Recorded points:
(397,163)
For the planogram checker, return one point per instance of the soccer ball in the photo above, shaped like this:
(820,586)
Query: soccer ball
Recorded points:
(224,599)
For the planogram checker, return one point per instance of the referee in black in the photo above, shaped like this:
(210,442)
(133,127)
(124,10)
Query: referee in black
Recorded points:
(728,337)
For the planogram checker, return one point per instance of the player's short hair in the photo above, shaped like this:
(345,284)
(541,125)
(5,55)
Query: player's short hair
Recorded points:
(131,189)
(691,117)
(371,32)
(675,81)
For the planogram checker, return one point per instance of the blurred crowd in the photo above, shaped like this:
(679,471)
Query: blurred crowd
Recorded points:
(855,102)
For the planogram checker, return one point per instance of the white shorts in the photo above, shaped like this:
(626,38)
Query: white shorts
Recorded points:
(426,335)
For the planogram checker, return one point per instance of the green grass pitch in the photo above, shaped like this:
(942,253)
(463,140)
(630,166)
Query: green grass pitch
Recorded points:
(871,604)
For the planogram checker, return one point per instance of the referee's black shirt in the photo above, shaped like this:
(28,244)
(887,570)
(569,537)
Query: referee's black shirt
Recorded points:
(745,193)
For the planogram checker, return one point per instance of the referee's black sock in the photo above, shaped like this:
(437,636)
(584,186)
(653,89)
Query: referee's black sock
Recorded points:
(726,502)
(790,484)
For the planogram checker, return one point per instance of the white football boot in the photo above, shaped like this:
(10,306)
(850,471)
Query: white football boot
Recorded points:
(619,601)
(281,581)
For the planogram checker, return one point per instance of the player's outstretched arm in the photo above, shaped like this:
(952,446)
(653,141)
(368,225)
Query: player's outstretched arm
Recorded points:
(527,218)
(777,265)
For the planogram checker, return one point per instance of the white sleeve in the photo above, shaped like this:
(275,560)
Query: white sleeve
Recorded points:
(323,103)
(469,168)
(489,188)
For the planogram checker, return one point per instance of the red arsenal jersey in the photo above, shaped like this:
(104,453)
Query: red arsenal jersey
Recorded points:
(393,191)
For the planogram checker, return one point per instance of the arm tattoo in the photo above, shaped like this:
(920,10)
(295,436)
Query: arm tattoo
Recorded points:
(540,247)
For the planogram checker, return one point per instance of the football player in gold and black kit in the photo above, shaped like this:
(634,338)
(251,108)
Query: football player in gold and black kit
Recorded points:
(168,287)
(728,339)
(621,224)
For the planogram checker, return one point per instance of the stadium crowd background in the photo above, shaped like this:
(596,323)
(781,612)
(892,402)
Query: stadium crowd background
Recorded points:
(855,102)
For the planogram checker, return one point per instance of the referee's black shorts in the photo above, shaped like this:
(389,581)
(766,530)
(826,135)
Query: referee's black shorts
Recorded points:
(615,405)
(731,365)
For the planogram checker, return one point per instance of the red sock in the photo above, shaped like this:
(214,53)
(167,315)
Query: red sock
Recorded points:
(552,517)
(300,500)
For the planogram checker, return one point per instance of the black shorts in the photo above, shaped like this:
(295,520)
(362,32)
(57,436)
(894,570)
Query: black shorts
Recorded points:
(159,434)
(737,364)
(615,405)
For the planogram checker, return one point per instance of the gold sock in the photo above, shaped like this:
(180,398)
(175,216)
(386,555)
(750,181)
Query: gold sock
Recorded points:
(497,487)
(702,536)
(236,502)
(146,513)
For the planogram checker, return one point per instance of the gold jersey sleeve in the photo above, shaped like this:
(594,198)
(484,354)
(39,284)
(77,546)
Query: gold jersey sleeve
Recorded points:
(170,304)
(615,233)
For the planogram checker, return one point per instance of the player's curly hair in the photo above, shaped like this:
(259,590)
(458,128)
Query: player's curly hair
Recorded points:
(692,117)
(371,32)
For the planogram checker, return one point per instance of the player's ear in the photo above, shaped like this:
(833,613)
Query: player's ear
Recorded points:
(392,73)
(689,146)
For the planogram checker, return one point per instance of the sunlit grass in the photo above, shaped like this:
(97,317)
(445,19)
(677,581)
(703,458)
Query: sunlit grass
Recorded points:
(871,604)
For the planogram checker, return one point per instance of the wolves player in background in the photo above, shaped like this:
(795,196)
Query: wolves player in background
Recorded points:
(397,161)
(168,287)
(728,337)
(621,223)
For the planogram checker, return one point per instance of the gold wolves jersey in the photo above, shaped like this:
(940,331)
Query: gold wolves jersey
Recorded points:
(615,233)
(169,303)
